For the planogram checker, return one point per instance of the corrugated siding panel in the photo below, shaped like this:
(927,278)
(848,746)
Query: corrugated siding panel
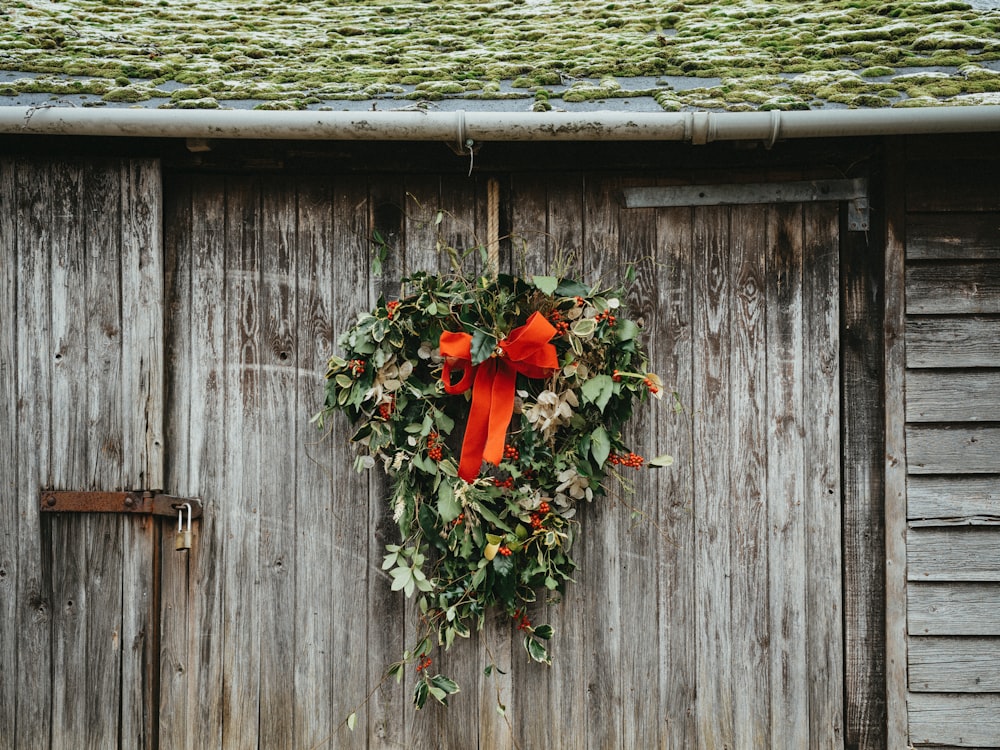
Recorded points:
(953,462)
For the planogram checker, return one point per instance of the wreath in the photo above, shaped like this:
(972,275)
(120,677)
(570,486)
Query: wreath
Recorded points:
(495,405)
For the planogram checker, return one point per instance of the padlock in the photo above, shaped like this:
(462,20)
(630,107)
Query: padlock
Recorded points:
(183,531)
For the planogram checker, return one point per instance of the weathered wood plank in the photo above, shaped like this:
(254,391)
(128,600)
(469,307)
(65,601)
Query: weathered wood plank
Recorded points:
(862,430)
(961,720)
(954,665)
(952,450)
(943,184)
(315,685)
(953,554)
(953,288)
(712,480)
(599,551)
(953,497)
(953,396)
(953,236)
(953,342)
(785,488)
(34,357)
(9,562)
(953,608)
(278,383)
(351,613)
(671,349)
(747,382)
(822,488)
(640,544)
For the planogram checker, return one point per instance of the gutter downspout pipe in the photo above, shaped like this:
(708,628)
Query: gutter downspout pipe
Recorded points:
(461,127)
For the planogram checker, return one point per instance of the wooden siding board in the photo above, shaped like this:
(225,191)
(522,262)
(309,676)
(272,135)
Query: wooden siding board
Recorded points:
(713,628)
(786,519)
(948,449)
(954,288)
(672,352)
(962,554)
(598,548)
(953,395)
(972,341)
(953,497)
(942,184)
(862,430)
(822,491)
(960,720)
(954,235)
(950,608)
(640,547)
(954,665)
(9,469)
(351,614)
(315,685)
(747,381)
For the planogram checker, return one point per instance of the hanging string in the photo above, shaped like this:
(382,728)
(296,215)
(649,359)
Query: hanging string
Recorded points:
(493,226)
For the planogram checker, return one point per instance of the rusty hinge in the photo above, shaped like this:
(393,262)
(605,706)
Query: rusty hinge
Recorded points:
(144,502)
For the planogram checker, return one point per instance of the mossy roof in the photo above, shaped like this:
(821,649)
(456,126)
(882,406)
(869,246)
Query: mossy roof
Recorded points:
(507,55)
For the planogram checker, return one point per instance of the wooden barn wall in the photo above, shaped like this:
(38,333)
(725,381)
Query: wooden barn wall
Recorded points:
(952,438)
(742,605)
(81,407)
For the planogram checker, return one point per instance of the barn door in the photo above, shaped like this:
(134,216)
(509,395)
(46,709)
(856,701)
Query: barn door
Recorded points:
(81,399)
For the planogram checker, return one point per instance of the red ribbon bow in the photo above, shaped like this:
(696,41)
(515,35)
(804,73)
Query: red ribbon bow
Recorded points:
(527,351)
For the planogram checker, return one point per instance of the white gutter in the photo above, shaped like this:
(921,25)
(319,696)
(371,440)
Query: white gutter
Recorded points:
(461,128)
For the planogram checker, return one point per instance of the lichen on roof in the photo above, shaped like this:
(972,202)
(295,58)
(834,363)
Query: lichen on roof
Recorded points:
(507,54)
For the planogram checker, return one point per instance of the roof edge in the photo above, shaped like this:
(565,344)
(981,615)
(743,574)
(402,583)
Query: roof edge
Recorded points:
(464,129)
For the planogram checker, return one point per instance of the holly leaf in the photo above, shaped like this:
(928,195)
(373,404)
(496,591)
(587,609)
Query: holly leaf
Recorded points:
(482,347)
(543,631)
(537,651)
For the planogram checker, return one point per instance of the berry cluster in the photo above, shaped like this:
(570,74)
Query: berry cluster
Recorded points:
(357,366)
(424,663)
(580,302)
(616,376)
(434,451)
(538,516)
(651,385)
(561,326)
(386,409)
(528,474)
(632,460)
(507,483)
(511,453)
(505,551)
(606,315)
(523,623)
(459,520)
(391,308)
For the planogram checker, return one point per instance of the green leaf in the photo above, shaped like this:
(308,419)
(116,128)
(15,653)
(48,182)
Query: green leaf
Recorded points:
(662,460)
(448,506)
(598,390)
(572,288)
(420,693)
(352,720)
(545,284)
(584,327)
(543,631)
(537,651)
(600,445)
(483,344)
(626,330)
(443,683)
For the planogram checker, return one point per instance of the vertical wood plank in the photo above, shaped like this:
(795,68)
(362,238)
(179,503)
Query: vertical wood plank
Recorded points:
(786,522)
(244,463)
(351,611)
(10,569)
(713,565)
(35,603)
(142,344)
(822,489)
(863,440)
(98,301)
(599,551)
(673,351)
(747,378)
(895,452)
(640,543)
(68,433)
(315,586)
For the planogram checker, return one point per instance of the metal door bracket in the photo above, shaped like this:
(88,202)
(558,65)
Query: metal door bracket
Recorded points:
(143,502)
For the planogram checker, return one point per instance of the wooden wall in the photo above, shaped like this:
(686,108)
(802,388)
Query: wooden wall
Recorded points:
(952,402)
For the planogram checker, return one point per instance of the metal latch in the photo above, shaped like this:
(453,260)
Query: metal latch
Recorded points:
(143,502)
